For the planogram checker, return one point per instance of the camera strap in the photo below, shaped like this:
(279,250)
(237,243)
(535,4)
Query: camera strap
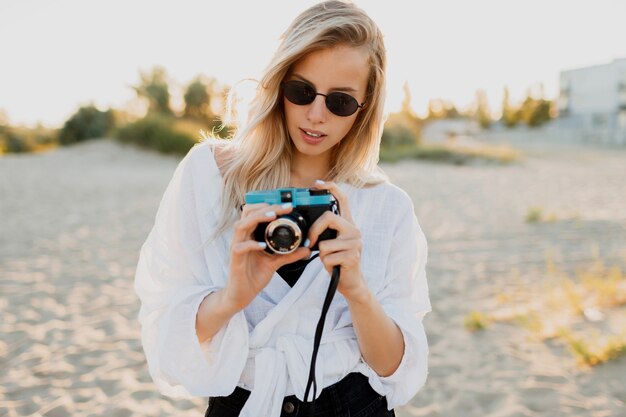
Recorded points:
(311,383)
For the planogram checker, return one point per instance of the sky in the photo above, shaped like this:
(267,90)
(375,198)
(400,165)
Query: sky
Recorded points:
(58,55)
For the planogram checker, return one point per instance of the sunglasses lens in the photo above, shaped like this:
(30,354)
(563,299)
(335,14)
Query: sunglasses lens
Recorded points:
(341,104)
(301,93)
(298,92)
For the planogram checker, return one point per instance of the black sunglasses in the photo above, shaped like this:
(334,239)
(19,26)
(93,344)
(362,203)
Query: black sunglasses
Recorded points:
(301,93)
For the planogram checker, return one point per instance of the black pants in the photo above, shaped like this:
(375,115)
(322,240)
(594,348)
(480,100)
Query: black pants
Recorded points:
(351,397)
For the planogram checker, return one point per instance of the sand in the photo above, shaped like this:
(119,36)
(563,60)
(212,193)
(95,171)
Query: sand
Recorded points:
(72,222)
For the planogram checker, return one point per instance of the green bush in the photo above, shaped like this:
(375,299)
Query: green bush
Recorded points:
(23,139)
(87,123)
(159,132)
(449,153)
(429,152)
(401,129)
(12,143)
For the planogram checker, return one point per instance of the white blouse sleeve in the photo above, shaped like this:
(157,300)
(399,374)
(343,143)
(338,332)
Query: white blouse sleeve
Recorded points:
(172,278)
(404,297)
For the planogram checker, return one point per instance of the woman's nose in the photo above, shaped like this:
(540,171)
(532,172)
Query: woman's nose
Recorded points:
(317,110)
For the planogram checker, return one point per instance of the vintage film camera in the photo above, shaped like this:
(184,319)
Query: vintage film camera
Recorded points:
(288,231)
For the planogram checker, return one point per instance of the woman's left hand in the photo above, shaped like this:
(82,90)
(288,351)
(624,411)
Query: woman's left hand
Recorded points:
(345,250)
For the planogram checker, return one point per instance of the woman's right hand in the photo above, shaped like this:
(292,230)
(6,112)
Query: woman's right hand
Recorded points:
(251,267)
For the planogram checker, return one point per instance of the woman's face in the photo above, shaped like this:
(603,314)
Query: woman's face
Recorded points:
(344,69)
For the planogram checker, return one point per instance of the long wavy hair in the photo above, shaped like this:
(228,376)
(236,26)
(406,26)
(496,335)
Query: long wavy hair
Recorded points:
(258,156)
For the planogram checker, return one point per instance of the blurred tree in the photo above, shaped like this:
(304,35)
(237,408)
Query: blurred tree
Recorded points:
(401,129)
(87,123)
(436,109)
(406,101)
(510,115)
(442,109)
(153,87)
(535,111)
(404,127)
(407,111)
(482,113)
(451,111)
(198,99)
(4,118)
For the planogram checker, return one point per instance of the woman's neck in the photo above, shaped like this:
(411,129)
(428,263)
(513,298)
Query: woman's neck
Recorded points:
(304,180)
(305,169)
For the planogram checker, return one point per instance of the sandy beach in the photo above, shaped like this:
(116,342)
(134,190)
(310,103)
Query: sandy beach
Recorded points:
(72,222)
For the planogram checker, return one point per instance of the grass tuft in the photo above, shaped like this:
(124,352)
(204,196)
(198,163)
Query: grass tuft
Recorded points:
(592,351)
(534,214)
(476,320)
(537,214)
(561,302)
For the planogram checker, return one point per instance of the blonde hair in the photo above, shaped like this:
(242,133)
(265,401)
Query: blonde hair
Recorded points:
(258,157)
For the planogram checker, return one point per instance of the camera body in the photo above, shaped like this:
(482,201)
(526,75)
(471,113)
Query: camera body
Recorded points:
(288,231)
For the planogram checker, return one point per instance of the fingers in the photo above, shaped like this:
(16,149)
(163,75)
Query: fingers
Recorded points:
(327,247)
(348,259)
(294,256)
(344,252)
(277,261)
(339,195)
(248,208)
(248,246)
(252,216)
(252,209)
(345,229)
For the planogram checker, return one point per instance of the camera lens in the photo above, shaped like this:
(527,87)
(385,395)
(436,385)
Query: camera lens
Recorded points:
(283,235)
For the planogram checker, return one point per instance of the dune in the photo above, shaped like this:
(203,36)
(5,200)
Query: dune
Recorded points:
(73,220)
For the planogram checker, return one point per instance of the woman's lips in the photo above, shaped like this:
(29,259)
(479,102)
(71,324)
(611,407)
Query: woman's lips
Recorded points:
(310,139)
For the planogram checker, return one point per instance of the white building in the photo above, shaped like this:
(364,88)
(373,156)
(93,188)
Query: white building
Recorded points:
(592,101)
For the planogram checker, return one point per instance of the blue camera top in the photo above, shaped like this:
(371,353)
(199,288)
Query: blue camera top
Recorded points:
(296,196)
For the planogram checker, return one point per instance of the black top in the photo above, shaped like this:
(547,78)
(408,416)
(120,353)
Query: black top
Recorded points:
(291,272)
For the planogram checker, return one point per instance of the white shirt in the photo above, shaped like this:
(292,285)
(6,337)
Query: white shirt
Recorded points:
(266,348)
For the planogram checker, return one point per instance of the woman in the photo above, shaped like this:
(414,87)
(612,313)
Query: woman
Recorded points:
(223,318)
